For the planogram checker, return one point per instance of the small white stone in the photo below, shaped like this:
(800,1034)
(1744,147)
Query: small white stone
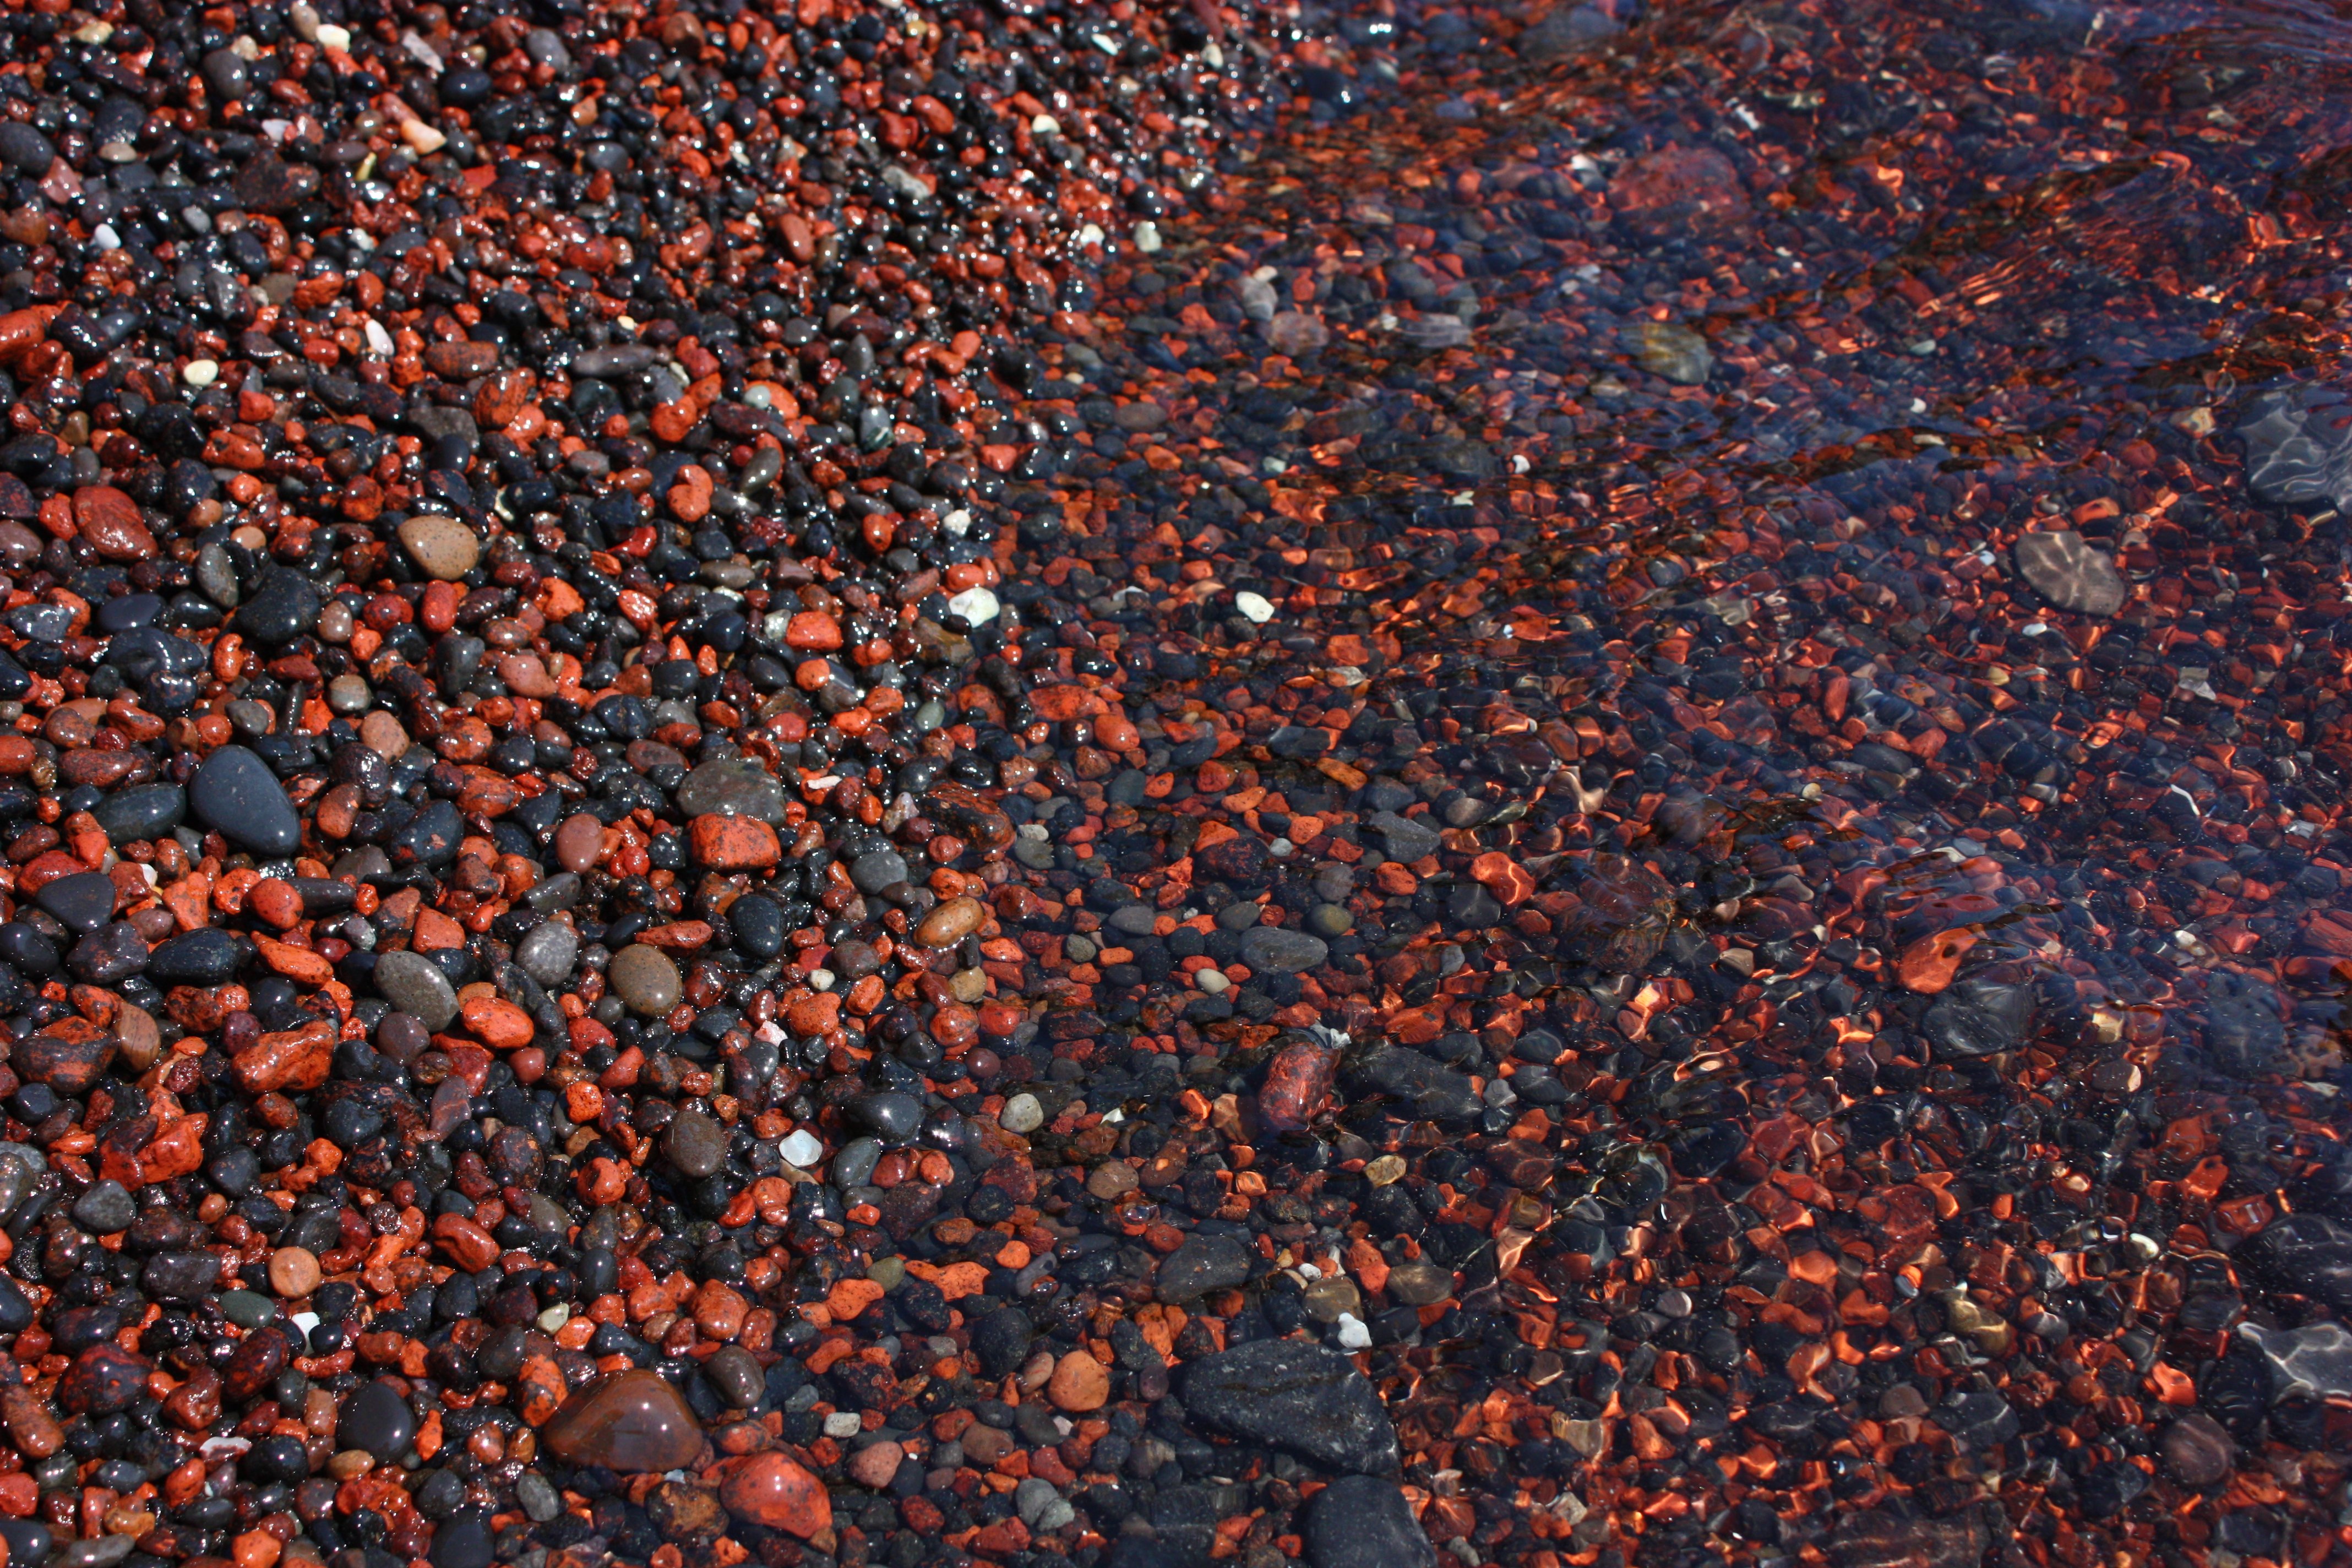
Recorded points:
(305,1321)
(844,1424)
(333,37)
(1147,237)
(802,1148)
(201,372)
(379,342)
(1044,125)
(197,219)
(105,239)
(977,605)
(426,139)
(1353,1334)
(1256,606)
(1211,981)
(555,1317)
(1022,1113)
(822,979)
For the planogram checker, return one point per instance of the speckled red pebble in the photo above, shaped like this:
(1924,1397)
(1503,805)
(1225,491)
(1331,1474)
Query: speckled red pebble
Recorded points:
(772,1490)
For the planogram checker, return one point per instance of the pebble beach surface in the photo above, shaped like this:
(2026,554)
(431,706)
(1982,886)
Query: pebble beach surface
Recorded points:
(1137,786)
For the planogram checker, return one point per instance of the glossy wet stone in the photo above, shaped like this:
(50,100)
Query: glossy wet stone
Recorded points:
(2071,574)
(646,979)
(233,793)
(377,1420)
(773,1491)
(631,1421)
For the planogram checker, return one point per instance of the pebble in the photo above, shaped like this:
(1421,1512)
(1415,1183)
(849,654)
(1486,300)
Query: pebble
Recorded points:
(1022,1113)
(378,1420)
(1255,608)
(772,1490)
(646,979)
(1301,1398)
(443,548)
(417,986)
(2065,569)
(234,793)
(634,1422)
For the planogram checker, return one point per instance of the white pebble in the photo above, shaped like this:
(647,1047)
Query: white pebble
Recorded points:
(822,979)
(977,605)
(1256,606)
(1044,125)
(1211,981)
(1147,237)
(332,36)
(425,140)
(844,1424)
(802,1148)
(105,239)
(555,1317)
(201,372)
(1022,1113)
(379,342)
(1353,1334)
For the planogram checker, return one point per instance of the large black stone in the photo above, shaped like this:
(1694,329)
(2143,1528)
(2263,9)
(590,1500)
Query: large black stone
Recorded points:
(235,794)
(1297,1396)
(1364,1522)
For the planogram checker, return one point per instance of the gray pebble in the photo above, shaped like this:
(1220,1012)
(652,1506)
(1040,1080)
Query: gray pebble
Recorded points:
(644,978)
(105,1209)
(416,984)
(548,951)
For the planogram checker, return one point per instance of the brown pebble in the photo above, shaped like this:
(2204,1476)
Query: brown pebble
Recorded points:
(293,1272)
(1079,1384)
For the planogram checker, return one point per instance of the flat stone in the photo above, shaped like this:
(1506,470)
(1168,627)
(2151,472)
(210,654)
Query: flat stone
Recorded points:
(2307,1253)
(2066,570)
(416,984)
(737,1377)
(1404,838)
(1417,1282)
(1365,1522)
(1881,1538)
(208,957)
(732,787)
(235,794)
(70,1056)
(644,979)
(634,1422)
(144,811)
(1301,1398)
(1079,1384)
(1427,1090)
(377,1420)
(1282,950)
(442,547)
(1203,1264)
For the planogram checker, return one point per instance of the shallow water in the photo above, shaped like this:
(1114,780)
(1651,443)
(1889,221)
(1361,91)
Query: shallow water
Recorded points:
(1878,465)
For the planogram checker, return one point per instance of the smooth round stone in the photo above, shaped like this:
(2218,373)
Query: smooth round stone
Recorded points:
(105,1209)
(1326,1300)
(644,979)
(736,1373)
(208,957)
(416,984)
(464,1541)
(144,811)
(950,923)
(1417,1283)
(732,787)
(294,1272)
(548,951)
(379,1421)
(579,842)
(246,1308)
(891,1115)
(235,794)
(1329,920)
(83,902)
(696,1144)
(875,1465)
(1279,950)
(1022,1113)
(876,870)
(633,1423)
(443,548)
(801,1148)
(772,1489)
(758,925)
